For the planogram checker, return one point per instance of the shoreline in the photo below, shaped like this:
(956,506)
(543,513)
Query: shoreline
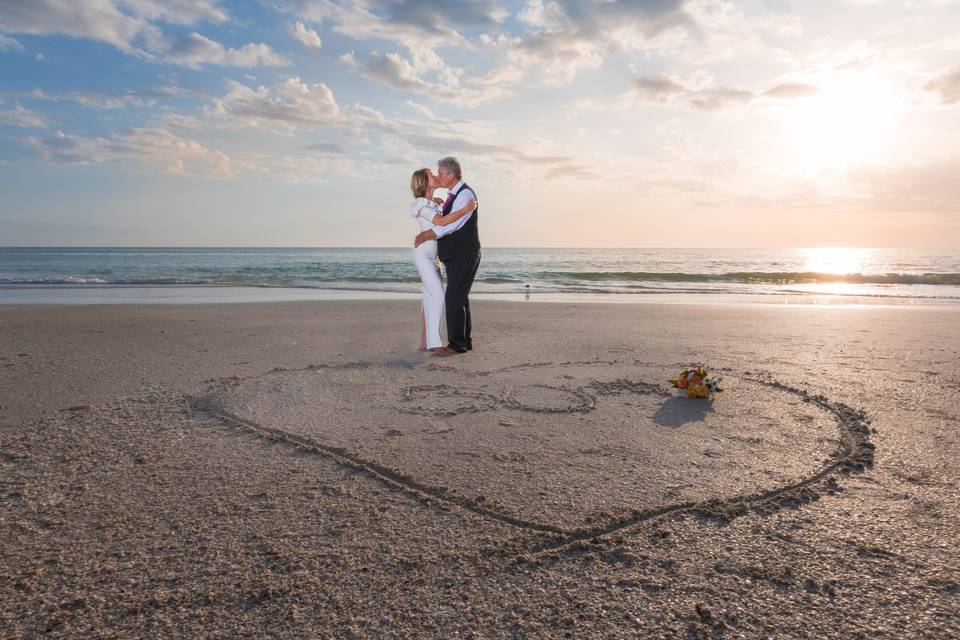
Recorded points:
(218,294)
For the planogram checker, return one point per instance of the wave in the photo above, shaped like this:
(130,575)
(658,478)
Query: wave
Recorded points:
(362,279)
(946,285)
(225,280)
(499,280)
(758,277)
(84,280)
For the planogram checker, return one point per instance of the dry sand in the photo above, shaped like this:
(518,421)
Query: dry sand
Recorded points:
(299,470)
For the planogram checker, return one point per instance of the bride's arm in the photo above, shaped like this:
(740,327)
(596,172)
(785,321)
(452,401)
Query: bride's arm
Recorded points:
(453,216)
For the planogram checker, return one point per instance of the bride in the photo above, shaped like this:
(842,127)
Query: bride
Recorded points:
(428,214)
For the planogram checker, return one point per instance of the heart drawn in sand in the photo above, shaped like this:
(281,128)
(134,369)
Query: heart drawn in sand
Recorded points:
(570,449)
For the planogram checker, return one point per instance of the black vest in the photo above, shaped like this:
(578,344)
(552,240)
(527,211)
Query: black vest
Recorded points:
(466,239)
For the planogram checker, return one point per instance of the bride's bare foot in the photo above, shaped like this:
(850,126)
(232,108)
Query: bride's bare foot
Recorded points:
(423,347)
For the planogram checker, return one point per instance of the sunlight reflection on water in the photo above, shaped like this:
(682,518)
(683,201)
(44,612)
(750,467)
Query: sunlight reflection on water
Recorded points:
(840,260)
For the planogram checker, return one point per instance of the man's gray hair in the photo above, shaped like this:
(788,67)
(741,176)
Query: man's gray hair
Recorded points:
(452,165)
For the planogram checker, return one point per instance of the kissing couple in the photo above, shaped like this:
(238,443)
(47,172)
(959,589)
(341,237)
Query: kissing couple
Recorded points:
(448,235)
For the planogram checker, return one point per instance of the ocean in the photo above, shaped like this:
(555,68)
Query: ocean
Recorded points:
(70,274)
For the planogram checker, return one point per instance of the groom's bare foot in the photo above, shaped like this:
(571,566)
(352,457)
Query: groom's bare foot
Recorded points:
(443,352)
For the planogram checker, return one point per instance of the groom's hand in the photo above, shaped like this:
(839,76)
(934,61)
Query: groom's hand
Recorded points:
(423,236)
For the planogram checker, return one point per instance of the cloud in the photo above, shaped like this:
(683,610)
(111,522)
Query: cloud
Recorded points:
(562,37)
(698,92)
(420,26)
(100,20)
(157,149)
(326,148)
(308,37)
(556,57)
(129,26)
(719,98)
(498,76)
(6,42)
(194,50)
(292,106)
(176,121)
(420,109)
(569,36)
(789,90)
(412,23)
(282,108)
(177,11)
(451,141)
(724,30)
(305,169)
(571,171)
(658,88)
(398,72)
(537,14)
(171,152)
(153,148)
(20,117)
(95,99)
(947,86)
(102,99)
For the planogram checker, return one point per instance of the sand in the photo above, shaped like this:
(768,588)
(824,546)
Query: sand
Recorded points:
(297,469)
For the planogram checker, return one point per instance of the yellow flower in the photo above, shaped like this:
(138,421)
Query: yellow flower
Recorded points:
(698,391)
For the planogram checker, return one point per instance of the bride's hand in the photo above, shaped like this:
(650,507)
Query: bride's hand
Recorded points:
(438,200)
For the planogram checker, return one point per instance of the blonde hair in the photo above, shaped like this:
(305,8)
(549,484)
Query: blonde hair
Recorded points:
(420,183)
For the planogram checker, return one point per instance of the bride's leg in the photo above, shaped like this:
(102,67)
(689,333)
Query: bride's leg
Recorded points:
(432,295)
(423,331)
(433,307)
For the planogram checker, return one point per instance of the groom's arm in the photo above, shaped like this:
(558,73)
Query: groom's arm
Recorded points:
(460,203)
(441,220)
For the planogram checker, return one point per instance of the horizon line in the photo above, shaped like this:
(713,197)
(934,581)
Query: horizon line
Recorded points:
(597,248)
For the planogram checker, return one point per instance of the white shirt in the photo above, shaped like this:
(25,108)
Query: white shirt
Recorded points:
(460,202)
(423,211)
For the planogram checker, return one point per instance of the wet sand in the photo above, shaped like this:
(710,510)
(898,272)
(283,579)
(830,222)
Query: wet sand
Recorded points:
(297,469)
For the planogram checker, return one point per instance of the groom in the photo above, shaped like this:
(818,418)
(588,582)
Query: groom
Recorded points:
(458,247)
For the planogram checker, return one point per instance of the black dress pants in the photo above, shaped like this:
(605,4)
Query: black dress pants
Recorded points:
(461,270)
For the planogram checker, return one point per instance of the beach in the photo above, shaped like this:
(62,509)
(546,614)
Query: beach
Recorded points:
(298,469)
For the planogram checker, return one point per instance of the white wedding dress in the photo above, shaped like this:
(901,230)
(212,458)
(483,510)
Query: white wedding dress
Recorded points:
(425,257)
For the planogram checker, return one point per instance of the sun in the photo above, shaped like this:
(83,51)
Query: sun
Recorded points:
(850,122)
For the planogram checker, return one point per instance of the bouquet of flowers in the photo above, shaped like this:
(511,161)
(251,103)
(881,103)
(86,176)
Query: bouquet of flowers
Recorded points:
(696,382)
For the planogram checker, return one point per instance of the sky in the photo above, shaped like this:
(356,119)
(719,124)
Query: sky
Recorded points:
(603,123)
